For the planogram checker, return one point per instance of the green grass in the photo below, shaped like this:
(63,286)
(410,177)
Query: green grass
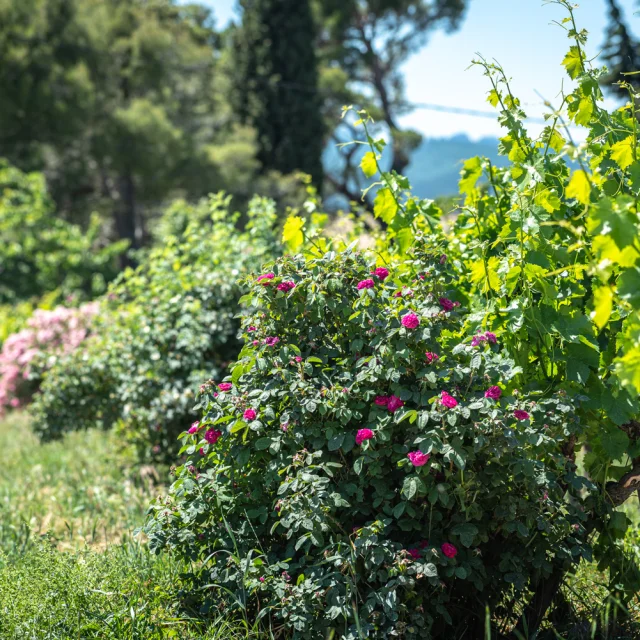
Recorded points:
(70,567)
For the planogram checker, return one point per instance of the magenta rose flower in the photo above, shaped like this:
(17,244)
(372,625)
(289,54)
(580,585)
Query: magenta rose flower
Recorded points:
(491,337)
(298,358)
(518,414)
(265,278)
(448,400)
(225,386)
(493,392)
(394,404)
(476,340)
(362,435)
(382,401)
(414,553)
(252,328)
(366,284)
(212,435)
(431,357)
(381,273)
(286,286)
(194,427)
(418,459)
(410,321)
(449,550)
(249,414)
(271,341)
(446,304)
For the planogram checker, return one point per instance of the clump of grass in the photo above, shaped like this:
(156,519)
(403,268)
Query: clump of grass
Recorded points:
(83,490)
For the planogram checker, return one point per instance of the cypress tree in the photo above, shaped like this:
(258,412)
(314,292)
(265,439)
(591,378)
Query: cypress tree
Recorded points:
(277,84)
(621,52)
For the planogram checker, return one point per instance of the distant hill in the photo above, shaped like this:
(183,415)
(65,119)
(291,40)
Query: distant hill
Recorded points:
(435,165)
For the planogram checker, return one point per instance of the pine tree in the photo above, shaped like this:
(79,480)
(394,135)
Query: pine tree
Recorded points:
(277,84)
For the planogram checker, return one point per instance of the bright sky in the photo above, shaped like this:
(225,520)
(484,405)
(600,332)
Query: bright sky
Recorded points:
(519,34)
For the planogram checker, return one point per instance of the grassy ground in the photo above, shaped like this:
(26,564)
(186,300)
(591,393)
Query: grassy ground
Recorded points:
(70,568)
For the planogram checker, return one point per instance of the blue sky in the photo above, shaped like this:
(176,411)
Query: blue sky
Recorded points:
(517,33)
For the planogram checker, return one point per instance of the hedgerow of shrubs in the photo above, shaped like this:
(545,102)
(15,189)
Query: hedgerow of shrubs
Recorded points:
(170,326)
(29,353)
(368,468)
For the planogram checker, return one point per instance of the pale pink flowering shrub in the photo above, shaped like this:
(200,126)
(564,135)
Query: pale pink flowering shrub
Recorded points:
(27,354)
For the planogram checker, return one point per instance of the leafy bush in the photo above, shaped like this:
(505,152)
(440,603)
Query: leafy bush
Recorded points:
(48,336)
(170,326)
(40,252)
(367,467)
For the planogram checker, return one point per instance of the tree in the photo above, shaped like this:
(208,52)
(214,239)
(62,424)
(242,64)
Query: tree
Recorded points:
(122,103)
(276,89)
(621,52)
(363,45)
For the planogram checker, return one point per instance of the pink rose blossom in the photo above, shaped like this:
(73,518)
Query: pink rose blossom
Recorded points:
(249,414)
(491,337)
(410,321)
(382,401)
(225,386)
(255,343)
(431,357)
(448,401)
(381,273)
(362,435)
(201,451)
(518,414)
(414,553)
(366,284)
(271,341)
(252,328)
(449,550)
(477,340)
(261,578)
(266,278)
(418,459)
(194,427)
(493,392)
(446,304)
(212,435)
(298,359)
(394,404)
(286,286)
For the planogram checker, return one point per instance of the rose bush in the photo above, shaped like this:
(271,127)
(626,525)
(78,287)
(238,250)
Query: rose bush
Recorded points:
(170,325)
(367,467)
(27,354)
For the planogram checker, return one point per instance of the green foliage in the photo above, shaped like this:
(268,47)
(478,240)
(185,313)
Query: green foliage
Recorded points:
(171,326)
(291,515)
(276,80)
(40,253)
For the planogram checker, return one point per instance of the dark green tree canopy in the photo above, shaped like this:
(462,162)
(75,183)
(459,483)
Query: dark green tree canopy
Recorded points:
(277,84)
